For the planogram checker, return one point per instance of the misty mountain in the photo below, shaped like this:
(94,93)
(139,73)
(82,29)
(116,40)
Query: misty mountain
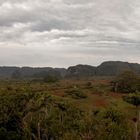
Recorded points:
(112,68)
(81,71)
(109,68)
(29,72)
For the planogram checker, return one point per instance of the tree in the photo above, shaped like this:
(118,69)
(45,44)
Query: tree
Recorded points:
(50,79)
(126,82)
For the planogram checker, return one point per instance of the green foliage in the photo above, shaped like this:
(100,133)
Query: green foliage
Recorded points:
(50,79)
(115,126)
(29,115)
(133,99)
(114,115)
(75,93)
(89,85)
(8,135)
(126,82)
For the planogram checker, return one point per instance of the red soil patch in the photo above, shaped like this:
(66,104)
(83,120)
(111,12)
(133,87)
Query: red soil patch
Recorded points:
(100,102)
(59,93)
(116,95)
(104,82)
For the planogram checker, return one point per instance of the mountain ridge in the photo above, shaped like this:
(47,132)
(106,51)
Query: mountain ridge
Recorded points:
(107,68)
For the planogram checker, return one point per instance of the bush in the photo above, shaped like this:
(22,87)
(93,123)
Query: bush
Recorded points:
(89,85)
(114,126)
(51,79)
(75,93)
(8,135)
(133,99)
(126,82)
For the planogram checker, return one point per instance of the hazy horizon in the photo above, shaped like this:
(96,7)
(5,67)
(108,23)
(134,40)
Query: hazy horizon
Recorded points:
(64,66)
(62,33)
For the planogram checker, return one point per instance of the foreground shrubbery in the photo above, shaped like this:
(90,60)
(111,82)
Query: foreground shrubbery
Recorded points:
(134,99)
(39,116)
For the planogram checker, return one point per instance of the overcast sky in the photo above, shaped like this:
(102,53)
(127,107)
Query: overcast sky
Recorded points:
(60,33)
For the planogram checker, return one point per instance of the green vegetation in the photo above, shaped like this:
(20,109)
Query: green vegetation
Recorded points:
(51,79)
(75,93)
(64,110)
(126,82)
(134,99)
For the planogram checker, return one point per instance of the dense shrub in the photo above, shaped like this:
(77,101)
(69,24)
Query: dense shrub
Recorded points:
(126,82)
(39,116)
(114,126)
(89,85)
(133,99)
(50,79)
(75,93)
(8,135)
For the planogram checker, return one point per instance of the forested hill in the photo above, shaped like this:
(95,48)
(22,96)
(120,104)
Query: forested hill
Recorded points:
(29,72)
(109,68)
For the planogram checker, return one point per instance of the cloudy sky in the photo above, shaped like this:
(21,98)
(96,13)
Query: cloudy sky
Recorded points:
(61,33)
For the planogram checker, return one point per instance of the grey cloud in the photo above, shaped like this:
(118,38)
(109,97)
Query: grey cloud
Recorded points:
(66,32)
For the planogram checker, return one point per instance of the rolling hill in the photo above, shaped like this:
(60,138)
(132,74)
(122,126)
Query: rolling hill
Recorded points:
(109,68)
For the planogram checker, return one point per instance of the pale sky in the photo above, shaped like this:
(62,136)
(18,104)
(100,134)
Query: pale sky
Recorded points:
(60,33)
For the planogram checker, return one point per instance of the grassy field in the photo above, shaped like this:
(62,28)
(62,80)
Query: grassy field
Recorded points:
(84,95)
(99,94)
